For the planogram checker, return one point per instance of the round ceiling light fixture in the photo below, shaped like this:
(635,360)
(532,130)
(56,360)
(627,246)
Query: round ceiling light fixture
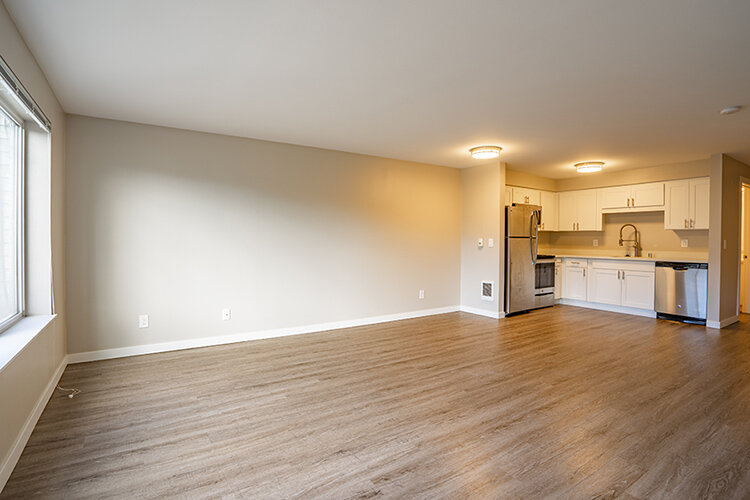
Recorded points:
(729,110)
(485,152)
(589,166)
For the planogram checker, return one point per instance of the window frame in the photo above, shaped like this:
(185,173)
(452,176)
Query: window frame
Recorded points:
(20,218)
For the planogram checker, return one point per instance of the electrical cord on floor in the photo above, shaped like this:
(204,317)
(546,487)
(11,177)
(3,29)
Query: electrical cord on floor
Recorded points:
(73,392)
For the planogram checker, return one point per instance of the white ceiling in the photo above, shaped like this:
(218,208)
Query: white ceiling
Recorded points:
(633,83)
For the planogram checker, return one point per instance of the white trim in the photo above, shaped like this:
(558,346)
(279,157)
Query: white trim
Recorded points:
(482,312)
(23,437)
(608,307)
(723,323)
(121,352)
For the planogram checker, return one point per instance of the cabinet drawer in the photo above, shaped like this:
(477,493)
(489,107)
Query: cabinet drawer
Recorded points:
(622,265)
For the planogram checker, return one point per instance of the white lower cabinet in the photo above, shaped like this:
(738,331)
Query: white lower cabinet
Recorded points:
(574,284)
(604,285)
(621,283)
(638,289)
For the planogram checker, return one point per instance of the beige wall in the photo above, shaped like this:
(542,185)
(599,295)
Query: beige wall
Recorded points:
(179,224)
(654,238)
(23,380)
(482,217)
(685,170)
(723,266)
(523,179)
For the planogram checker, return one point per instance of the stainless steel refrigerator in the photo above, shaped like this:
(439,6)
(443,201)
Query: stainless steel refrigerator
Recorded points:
(521,243)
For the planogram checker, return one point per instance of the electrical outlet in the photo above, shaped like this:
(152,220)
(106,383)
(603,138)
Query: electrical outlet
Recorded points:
(143,321)
(684,243)
(421,294)
(596,243)
(226,314)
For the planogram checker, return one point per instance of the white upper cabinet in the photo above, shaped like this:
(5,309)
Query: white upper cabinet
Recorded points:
(616,197)
(589,217)
(699,195)
(549,211)
(687,204)
(525,195)
(637,196)
(508,196)
(648,195)
(577,211)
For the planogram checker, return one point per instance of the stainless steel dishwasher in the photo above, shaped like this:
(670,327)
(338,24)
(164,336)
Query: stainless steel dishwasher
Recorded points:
(681,291)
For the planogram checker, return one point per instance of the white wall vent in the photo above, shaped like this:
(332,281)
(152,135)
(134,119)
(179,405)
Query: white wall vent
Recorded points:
(488,291)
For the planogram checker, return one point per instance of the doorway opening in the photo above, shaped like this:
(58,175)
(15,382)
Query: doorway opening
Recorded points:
(745,249)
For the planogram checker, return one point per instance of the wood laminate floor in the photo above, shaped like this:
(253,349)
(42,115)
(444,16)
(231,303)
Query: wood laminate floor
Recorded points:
(560,403)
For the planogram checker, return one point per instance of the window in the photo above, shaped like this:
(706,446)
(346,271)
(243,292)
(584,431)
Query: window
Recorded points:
(11,219)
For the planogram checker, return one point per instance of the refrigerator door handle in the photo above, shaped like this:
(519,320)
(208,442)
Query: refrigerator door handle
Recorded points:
(533,232)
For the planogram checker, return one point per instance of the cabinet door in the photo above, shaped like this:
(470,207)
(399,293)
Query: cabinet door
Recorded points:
(638,289)
(574,282)
(508,196)
(534,197)
(524,195)
(604,286)
(616,197)
(699,206)
(648,195)
(567,211)
(587,211)
(549,211)
(677,204)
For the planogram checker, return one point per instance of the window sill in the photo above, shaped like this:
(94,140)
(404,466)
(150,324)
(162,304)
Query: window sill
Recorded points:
(17,337)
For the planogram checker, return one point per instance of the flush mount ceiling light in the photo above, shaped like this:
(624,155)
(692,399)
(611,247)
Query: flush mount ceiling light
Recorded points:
(730,110)
(589,166)
(485,152)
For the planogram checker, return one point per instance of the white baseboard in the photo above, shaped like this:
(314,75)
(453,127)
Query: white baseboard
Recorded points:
(608,307)
(23,437)
(723,323)
(482,312)
(121,352)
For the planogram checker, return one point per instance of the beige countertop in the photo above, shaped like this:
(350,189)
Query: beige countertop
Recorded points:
(666,257)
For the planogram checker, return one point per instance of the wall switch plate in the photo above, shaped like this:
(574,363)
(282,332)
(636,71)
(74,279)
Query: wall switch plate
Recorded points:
(226,314)
(684,243)
(480,242)
(596,243)
(491,242)
(421,294)
(143,321)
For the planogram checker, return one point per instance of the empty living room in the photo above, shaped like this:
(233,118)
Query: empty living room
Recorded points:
(374,249)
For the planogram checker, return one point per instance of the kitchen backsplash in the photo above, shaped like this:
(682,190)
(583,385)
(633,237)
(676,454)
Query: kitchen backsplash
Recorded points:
(654,238)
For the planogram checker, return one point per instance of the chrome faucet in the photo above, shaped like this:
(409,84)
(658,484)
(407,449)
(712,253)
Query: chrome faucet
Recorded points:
(636,240)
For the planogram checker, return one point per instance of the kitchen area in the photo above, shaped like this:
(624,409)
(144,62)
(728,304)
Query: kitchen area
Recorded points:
(637,248)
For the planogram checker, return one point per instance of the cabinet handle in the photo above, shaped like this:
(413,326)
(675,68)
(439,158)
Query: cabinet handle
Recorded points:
(633,202)
(623,275)
(684,223)
(618,274)
(628,201)
(584,272)
(574,226)
(692,223)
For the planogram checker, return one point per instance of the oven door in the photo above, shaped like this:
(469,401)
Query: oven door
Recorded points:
(545,276)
